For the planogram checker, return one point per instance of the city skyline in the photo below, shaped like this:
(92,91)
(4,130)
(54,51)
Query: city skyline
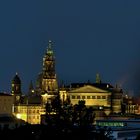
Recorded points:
(88,38)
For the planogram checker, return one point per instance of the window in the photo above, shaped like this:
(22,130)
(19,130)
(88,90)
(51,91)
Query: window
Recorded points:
(73,97)
(98,97)
(93,97)
(88,97)
(78,97)
(103,97)
(83,97)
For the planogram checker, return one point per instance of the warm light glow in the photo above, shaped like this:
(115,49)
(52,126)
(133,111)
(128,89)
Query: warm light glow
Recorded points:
(18,116)
(33,91)
(100,107)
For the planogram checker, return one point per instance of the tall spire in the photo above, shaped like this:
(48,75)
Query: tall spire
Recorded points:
(49,50)
(98,79)
(49,82)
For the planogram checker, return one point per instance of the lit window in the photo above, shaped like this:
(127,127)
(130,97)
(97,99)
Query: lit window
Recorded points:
(78,97)
(93,97)
(83,97)
(98,97)
(88,97)
(103,97)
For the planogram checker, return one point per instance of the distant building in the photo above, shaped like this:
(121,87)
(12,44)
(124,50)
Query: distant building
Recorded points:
(6,103)
(120,129)
(101,96)
(131,105)
(16,89)
(30,107)
(30,113)
(47,82)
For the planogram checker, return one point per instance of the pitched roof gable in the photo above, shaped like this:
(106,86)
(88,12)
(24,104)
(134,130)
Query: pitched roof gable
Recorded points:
(88,89)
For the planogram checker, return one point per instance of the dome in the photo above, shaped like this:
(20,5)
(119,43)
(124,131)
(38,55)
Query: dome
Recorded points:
(16,79)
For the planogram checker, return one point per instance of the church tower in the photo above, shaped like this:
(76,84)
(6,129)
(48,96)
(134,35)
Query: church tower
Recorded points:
(16,88)
(49,81)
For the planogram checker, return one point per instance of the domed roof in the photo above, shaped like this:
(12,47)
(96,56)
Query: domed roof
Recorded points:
(16,79)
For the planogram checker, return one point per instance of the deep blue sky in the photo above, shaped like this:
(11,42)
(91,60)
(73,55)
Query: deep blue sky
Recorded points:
(90,36)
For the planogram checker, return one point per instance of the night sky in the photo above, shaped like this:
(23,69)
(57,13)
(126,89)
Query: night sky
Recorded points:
(89,37)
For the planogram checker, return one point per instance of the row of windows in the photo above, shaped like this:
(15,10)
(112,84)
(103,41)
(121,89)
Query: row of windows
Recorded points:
(89,97)
(29,107)
(33,117)
(29,111)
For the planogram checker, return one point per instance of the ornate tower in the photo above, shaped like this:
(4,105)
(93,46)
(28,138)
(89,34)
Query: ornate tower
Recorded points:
(16,88)
(49,82)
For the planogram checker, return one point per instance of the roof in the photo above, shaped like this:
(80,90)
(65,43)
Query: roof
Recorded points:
(104,86)
(16,79)
(36,99)
(88,89)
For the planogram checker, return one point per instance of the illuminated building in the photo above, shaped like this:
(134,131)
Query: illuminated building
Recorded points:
(131,105)
(101,96)
(32,106)
(30,113)
(47,82)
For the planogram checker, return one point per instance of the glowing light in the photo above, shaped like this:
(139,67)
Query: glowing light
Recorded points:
(100,107)
(33,91)
(18,116)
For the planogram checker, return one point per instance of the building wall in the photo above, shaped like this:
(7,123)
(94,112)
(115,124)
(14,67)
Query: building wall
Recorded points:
(91,99)
(94,96)
(29,113)
(6,104)
(49,85)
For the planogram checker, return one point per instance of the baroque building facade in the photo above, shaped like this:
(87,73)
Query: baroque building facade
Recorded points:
(30,107)
(99,95)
